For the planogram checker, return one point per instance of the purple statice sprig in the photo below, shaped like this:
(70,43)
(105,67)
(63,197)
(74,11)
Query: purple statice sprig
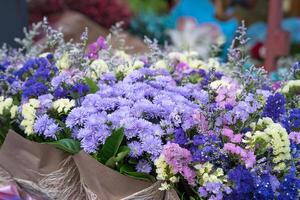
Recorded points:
(237,56)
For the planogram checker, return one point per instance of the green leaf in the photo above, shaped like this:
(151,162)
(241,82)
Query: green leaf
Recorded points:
(122,153)
(111,162)
(129,171)
(68,145)
(92,85)
(111,146)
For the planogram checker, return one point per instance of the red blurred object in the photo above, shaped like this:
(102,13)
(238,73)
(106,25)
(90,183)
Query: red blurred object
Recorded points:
(104,12)
(256,51)
(278,40)
(41,8)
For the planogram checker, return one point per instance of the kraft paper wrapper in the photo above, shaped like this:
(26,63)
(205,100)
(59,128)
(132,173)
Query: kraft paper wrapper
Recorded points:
(40,168)
(27,160)
(107,184)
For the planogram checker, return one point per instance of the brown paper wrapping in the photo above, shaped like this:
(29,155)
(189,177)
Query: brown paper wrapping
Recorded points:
(40,168)
(103,183)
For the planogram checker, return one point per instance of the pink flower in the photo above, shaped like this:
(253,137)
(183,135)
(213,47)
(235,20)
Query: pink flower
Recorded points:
(182,67)
(189,175)
(201,121)
(226,94)
(179,159)
(234,138)
(248,157)
(95,47)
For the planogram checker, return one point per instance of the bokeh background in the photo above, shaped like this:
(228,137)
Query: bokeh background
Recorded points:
(193,24)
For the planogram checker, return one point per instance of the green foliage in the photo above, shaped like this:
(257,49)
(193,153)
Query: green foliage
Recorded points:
(111,147)
(68,145)
(130,171)
(92,85)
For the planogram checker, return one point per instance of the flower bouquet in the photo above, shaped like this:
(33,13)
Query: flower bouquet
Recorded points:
(164,125)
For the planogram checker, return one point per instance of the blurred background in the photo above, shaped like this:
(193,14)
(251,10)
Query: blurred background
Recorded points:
(186,24)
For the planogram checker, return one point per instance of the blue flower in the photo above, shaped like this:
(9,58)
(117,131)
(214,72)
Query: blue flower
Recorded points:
(28,65)
(180,137)
(275,107)
(263,185)
(294,118)
(80,89)
(60,92)
(243,183)
(35,90)
(290,185)
(296,70)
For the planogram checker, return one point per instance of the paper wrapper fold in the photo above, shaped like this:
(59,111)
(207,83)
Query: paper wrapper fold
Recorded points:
(103,183)
(40,168)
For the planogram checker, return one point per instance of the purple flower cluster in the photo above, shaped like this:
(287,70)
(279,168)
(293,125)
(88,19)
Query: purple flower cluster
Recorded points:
(147,104)
(36,74)
(46,126)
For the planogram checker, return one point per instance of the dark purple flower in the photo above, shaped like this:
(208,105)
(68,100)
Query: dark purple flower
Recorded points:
(180,137)
(275,107)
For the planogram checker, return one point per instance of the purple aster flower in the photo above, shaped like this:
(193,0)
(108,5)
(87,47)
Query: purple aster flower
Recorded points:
(152,145)
(34,90)
(45,101)
(135,149)
(60,92)
(46,126)
(76,117)
(143,166)
(202,192)
(89,144)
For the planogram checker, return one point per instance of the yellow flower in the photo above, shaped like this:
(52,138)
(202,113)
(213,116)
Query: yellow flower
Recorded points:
(275,137)
(219,172)
(64,62)
(161,64)
(122,55)
(34,103)
(28,113)
(13,111)
(8,102)
(63,105)
(97,68)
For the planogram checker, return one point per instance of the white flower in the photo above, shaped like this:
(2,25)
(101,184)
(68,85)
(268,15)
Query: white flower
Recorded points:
(64,62)
(63,105)
(97,68)
(161,64)
(164,186)
(13,111)
(8,102)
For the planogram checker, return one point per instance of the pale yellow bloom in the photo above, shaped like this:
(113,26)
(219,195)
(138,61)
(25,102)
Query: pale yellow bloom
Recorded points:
(13,111)
(97,68)
(64,62)
(63,105)
(28,113)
